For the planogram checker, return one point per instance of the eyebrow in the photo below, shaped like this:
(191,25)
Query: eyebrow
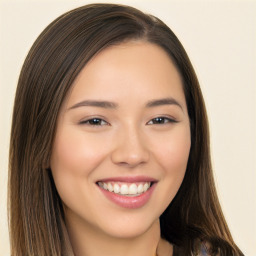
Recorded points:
(164,101)
(95,103)
(113,105)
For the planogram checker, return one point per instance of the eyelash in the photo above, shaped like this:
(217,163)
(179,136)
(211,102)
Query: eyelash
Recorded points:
(157,121)
(94,122)
(162,120)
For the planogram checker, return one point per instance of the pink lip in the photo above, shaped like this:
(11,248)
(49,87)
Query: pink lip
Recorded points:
(126,201)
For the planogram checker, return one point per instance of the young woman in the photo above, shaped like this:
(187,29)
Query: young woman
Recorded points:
(109,150)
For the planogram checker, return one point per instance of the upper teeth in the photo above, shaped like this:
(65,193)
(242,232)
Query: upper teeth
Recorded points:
(125,188)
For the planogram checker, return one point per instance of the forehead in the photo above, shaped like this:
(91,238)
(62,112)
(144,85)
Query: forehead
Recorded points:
(127,68)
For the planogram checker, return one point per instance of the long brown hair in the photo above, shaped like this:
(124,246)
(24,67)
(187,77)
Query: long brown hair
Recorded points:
(54,61)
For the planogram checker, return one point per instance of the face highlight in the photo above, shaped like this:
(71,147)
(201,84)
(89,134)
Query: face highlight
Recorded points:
(122,141)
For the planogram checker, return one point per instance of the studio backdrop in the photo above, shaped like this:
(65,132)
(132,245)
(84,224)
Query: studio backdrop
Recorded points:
(220,39)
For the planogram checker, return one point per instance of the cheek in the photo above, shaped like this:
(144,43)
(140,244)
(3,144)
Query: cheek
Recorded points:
(75,153)
(173,151)
(177,154)
(73,160)
(173,157)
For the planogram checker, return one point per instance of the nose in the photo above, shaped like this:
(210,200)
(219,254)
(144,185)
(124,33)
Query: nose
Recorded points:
(130,149)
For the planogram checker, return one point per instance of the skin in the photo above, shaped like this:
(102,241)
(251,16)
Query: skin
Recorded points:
(130,141)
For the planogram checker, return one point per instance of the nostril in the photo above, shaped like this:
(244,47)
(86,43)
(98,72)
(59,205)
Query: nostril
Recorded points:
(130,150)
(129,160)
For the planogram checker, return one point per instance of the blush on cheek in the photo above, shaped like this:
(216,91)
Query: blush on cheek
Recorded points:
(175,162)
(74,157)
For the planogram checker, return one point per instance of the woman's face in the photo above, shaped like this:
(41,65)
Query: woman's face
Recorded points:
(122,141)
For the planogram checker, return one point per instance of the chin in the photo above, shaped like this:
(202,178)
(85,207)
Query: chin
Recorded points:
(130,228)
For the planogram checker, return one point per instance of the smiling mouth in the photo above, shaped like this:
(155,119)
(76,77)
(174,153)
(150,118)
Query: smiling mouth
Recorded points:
(128,192)
(125,189)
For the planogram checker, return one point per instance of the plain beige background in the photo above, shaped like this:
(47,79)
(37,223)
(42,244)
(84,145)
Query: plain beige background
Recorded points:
(220,38)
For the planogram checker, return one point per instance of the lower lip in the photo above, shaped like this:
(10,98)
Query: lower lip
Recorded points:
(131,202)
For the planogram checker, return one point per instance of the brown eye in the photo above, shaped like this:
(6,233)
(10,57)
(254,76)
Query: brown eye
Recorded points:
(94,122)
(161,120)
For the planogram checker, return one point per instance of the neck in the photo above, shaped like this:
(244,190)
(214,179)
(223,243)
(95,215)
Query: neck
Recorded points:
(85,240)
